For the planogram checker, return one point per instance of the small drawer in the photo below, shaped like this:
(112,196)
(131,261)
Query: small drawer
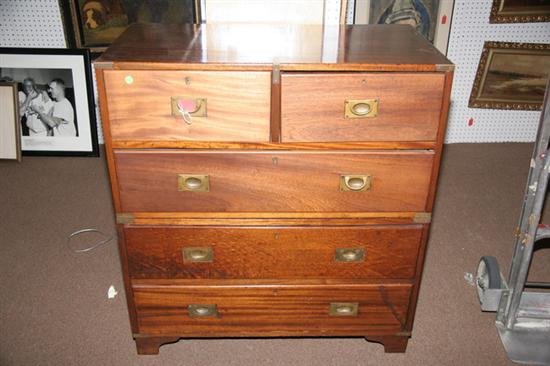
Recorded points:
(226,309)
(370,252)
(217,181)
(188,105)
(360,106)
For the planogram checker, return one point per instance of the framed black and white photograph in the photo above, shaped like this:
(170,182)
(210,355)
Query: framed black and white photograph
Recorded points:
(55,100)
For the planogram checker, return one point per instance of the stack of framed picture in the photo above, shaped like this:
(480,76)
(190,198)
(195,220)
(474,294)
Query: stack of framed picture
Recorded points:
(513,75)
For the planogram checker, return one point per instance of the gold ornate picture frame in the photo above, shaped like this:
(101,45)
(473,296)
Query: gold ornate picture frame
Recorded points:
(511,76)
(520,11)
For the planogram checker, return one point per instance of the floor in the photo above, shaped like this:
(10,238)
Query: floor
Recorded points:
(54,308)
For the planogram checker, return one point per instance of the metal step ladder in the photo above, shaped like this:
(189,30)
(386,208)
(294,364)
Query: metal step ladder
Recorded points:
(523,317)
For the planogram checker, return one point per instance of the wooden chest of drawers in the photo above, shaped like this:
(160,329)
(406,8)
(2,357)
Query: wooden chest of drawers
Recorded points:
(266,189)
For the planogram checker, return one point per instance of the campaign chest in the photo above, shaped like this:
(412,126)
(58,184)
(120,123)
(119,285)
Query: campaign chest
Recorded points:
(272,180)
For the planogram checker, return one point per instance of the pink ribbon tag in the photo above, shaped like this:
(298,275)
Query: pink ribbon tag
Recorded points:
(187,105)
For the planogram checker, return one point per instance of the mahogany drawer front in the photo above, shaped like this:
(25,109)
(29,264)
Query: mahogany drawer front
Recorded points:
(237,105)
(313,106)
(248,310)
(151,181)
(263,253)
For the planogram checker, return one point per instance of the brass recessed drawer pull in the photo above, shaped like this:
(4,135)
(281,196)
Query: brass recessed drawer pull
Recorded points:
(349,254)
(198,254)
(365,108)
(194,182)
(343,308)
(202,310)
(188,107)
(355,183)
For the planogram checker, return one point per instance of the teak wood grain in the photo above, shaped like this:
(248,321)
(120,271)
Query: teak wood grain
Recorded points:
(284,252)
(237,105)
(274,144)
(438,150)
(275,218)
(312,106)
(347,145)
(271,182)
(109,154)
(258,46)
(255,310)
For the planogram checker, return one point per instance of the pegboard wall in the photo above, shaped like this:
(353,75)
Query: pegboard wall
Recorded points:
(469,30)
(37,23)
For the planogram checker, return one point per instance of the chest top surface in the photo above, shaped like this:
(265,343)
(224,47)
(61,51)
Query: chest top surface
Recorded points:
(260,46)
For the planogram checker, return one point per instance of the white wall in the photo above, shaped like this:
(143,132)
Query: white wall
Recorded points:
(37,23)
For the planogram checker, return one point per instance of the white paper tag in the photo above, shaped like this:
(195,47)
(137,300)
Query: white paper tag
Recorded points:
(111,293)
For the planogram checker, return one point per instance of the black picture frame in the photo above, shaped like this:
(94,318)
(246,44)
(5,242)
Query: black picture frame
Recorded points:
(15,63)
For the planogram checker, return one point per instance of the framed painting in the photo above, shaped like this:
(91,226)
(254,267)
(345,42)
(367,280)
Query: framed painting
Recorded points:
(95,24)
(431,18)
(520,11)
(511,76)
(54,100)
(10,137)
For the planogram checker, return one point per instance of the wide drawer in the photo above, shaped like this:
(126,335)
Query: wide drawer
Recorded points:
(265,252)
(389,106)
(260,310)
(222,105)
(170,180)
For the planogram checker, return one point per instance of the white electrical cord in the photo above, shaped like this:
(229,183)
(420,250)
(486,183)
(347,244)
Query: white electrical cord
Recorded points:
(96,245)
